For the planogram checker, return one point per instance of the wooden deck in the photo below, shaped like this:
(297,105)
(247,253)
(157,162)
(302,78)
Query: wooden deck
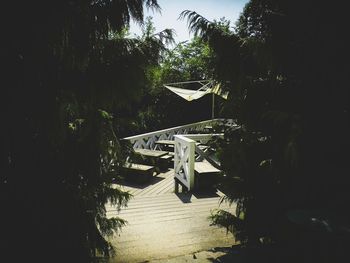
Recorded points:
(163,225)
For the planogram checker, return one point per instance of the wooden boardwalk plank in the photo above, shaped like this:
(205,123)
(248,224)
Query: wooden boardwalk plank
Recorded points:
(160,186)
(163,225)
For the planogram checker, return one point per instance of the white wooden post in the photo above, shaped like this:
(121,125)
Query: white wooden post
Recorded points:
(184,161)
(191,164)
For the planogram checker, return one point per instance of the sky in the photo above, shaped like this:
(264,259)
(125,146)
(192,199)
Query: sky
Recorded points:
(171,9)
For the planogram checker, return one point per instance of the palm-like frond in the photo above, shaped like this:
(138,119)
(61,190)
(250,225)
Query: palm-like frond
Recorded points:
(232,223)
(152,46)
(197,24)
(117,14)
(166,36)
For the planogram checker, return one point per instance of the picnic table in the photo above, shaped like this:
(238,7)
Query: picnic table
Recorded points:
(208,128)
(165,142)
(151,153)
(159,159)
(170,142)
(167,145)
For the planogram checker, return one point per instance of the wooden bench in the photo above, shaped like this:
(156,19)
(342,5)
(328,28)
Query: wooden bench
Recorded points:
(206,176)
(205,167)
(166,161)
(138,173)
(150,157)
(167,145)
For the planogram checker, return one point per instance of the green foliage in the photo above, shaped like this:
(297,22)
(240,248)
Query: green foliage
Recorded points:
(71,73)
(94,152)
(154,44)
(161,108)
(187,61)
(227,220)
(276,64)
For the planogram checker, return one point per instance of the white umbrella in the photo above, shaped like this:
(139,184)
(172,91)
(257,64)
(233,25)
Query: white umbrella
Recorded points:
(208,86)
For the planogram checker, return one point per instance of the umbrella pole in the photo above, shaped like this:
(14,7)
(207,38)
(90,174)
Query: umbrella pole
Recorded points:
(212,106)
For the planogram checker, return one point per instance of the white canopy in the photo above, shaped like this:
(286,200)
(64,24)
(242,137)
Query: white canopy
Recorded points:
(190,95)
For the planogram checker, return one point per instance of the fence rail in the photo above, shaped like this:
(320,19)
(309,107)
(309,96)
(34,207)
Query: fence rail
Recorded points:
(147,140)
(185,146)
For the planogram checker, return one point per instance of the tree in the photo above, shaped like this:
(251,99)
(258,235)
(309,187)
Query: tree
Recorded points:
(68,67)
(161,108)
(278,67)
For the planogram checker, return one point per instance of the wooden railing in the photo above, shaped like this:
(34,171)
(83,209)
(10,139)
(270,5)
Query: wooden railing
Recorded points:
(185,145)
(147,140)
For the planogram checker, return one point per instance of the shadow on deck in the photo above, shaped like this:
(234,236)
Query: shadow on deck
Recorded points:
(164,225)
